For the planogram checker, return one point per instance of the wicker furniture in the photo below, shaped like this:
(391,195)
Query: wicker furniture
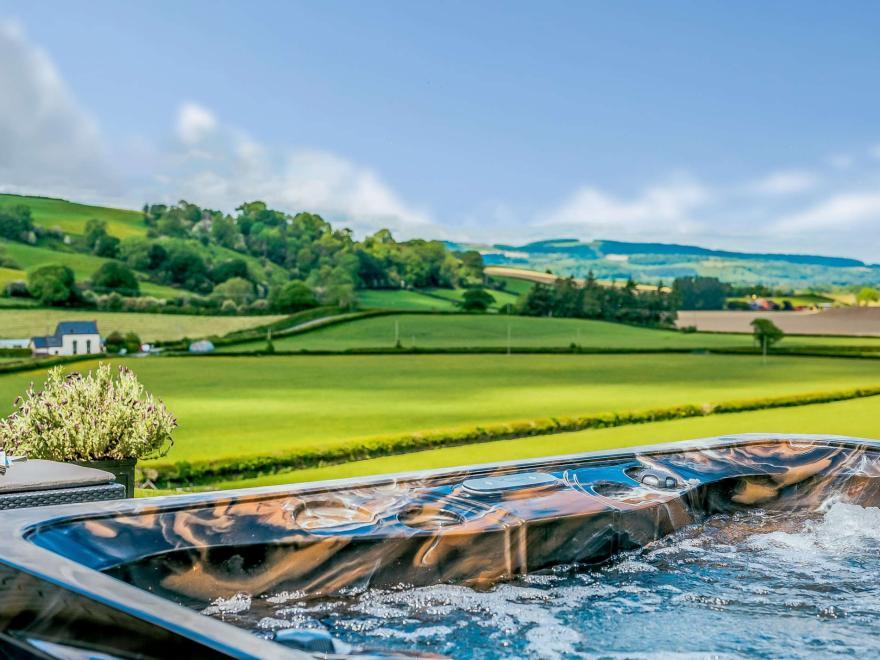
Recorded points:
(44,483)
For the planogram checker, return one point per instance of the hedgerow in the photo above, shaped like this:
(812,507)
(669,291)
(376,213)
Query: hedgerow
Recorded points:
(203,471)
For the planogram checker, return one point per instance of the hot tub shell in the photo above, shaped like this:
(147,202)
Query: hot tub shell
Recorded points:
(127,578)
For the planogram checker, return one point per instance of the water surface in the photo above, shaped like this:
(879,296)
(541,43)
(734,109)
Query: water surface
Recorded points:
(757,583)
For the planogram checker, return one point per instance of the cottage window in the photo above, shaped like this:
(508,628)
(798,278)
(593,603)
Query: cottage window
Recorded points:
(88,345)
(74,346)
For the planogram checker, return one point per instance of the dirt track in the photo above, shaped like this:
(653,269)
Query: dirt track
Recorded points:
(843,321)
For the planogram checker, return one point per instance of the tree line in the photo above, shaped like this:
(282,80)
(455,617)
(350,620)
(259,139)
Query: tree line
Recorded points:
(566,297)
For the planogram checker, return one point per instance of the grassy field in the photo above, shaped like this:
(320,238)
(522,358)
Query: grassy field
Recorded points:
(15,323)
(8,275)
(402,300)
(71,218)
(857,418)
(236,407)
(442,300)
(474,330)
(82,265)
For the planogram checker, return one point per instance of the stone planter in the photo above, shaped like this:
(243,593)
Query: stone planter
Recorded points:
(122,469)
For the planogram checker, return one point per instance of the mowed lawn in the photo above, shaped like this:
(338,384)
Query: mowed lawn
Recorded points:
(489,330)
(858,418)
(18,323)
(71,218)
(241,406)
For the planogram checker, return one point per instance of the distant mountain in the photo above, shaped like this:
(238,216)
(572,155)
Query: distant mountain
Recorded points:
(652,262)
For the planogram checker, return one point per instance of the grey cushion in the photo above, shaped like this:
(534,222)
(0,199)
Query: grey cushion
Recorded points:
(48,475)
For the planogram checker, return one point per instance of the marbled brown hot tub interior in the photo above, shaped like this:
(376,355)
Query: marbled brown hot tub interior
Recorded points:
(474,526)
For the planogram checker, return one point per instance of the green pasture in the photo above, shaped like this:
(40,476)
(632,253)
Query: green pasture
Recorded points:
(8,275)
(491,330)
(15,323)
(857,418)
(82,265)
(233,407)
(402,299)
(71,218)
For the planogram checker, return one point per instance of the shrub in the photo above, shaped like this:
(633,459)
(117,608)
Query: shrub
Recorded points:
(17,289)
(52,284)
(116,277)
(477,300)
(96,416)
(294,296)
(114,342)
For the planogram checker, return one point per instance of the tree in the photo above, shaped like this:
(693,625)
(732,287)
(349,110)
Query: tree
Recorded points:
(15,221)
(95,231)
(867,295)
(114,342)
(472,262)
(292,297)
(476,300)
(766,333)
(52,284)
(107,246)
(700,292)
(230,268)
(132,342)
(239,290)
(114,276)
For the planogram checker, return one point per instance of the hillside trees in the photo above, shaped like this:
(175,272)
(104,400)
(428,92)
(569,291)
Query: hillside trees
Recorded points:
(700,292)
(626,304)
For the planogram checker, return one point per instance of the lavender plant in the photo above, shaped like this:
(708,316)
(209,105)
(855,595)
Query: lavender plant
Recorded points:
(96,416)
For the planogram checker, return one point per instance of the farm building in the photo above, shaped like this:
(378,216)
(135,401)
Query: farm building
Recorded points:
(70,338)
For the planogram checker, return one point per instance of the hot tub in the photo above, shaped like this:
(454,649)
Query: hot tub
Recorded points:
(213,574)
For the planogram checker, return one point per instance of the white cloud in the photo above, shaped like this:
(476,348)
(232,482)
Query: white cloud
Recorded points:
(658,210)
(840,211)
(194,123)
(48,144)
(220,166)
(786,182)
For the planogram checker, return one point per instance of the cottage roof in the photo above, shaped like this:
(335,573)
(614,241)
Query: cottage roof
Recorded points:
(76,328)
(52,341)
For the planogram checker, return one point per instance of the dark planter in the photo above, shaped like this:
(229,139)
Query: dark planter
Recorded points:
(122,469)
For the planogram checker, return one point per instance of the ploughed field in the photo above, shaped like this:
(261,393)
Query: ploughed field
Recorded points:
(491,330)
(840,321)
(20,323)
(238,407)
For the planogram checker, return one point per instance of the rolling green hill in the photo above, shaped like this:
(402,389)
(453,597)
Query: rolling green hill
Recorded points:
(71,217)
(82,265)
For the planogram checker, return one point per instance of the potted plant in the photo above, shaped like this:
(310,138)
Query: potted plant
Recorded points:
(100,419)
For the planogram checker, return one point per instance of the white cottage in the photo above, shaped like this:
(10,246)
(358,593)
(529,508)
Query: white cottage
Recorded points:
(70,338)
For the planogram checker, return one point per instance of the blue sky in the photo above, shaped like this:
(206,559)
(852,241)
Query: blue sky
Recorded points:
(736,125)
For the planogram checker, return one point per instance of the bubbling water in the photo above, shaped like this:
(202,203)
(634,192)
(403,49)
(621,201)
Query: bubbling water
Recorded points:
(753,583)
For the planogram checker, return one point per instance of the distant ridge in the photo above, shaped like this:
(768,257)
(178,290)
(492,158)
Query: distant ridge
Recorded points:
(600,248)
